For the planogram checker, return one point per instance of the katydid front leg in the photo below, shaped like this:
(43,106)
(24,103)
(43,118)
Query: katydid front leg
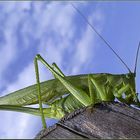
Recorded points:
(130,96)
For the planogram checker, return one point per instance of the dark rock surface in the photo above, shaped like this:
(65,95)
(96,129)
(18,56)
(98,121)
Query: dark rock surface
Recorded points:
(104,120)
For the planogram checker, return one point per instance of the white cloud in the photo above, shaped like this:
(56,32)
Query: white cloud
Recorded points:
(18,125)
(25,78)
(7,52)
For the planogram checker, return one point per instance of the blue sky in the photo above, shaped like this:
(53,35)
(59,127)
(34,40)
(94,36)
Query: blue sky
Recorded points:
(57,32)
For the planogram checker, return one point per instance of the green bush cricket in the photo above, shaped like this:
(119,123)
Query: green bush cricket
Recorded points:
(67,93)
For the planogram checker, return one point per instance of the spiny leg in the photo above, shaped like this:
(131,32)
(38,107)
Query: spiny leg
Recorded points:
(57,69)
(78,93)
(39,93)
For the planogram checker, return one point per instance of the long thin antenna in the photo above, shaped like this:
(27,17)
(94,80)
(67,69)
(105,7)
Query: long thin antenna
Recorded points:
(136,58)
(92,27)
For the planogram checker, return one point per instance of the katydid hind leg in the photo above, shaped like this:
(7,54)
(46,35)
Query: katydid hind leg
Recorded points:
(39,93)
(78,93)
(56,68)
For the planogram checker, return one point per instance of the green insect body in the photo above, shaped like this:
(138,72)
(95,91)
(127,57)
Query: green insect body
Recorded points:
(64,94)
(55,95)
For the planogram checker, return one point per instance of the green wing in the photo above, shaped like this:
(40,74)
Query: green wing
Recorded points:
(50,91)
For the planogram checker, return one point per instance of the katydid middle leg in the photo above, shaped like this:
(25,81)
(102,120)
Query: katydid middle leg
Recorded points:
(92,92)
(102,93)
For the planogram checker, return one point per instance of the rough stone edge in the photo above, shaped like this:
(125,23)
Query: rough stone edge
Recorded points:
(45,132)
(101,105)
